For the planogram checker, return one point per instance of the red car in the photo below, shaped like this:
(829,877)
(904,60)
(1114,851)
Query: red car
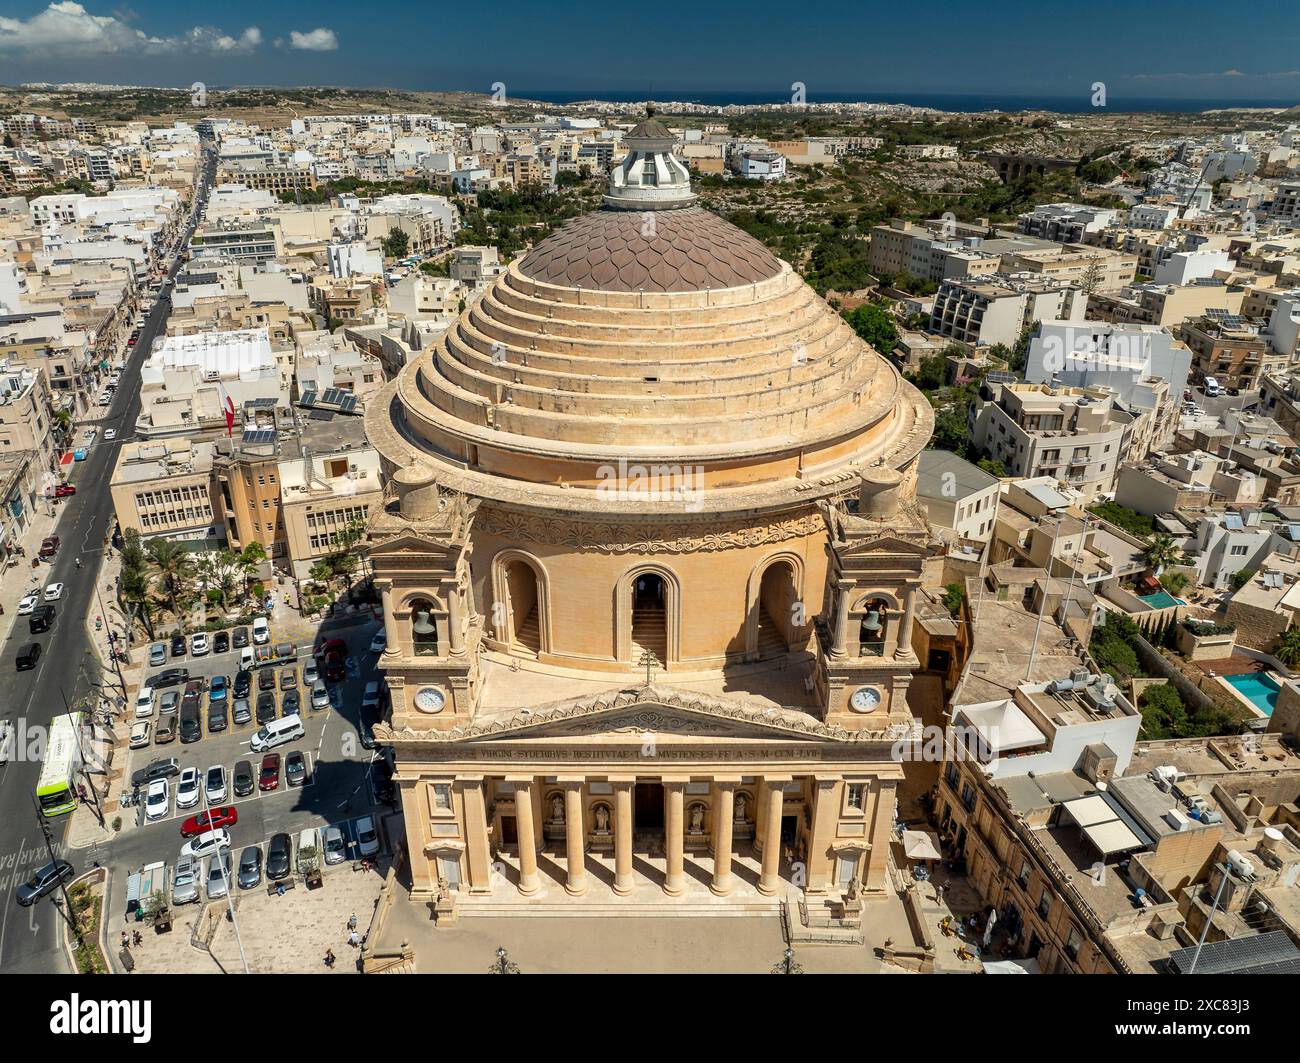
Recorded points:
(269,777)
(212,819)
(64,490)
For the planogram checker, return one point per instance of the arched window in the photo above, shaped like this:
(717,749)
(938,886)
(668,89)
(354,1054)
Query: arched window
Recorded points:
(873,630)
(424,629)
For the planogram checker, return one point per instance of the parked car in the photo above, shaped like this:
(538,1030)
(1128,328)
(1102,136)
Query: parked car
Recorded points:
(207,843)
(191,726)
(218,874)
(310,673)
(320,695)
(166,730)
(140,734)
(265,707)
(288,678)
(28,602)
(168,703)
(242,711)
(336,669)
(185,880)
(218,716)
(53,592)
(221,642)
(367,836)
(250,868)
(157,799)
(209,819)
(214,784)
(168,677)
(266,679)
(156,769)
(335,845)
(44,880)
(261,631)
(178,646)
(157,652)
(49,547)
(144,703)
(65,491)
(110,433)
(279,856)
(295,769)
(240,637)
(380,642)
(42,618)
(218,688)
(291,703)
(269,777)
(199,645)
(241,778)
(243,683)
(370,699)
(187,788)
(27,656)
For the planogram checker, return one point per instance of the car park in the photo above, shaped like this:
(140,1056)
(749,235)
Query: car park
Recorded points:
(279,856)
(144,703)
(241,711)
(241,779)
(178,646)
(295,769)
(44,880)
(239,637)
(27,656)
(214,784)
(157,799)
(185,885)
(220,642)
(291,703)
(335,845)
(187,788)
(199,645)
(209,819)
(164,768)
(268,778)
(168,677)
(367,836)
(157,655)
(261,631)
(207,843)
(218,874)
(53,592)
(140,734)
(265,707)
(28,602)
(250,868)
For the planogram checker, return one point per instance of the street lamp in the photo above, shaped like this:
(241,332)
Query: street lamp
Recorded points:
(503,964)
(787,964)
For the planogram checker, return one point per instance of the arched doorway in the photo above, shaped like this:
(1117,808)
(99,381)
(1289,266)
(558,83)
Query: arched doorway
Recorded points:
(873,629)
(519,607)
(649,616)
(780,611)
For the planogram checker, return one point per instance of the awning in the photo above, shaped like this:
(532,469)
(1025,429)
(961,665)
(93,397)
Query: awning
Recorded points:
(1012,967)
(921,845)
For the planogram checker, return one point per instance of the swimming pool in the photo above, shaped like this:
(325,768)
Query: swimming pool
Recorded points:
(1161,600)
(1256,688)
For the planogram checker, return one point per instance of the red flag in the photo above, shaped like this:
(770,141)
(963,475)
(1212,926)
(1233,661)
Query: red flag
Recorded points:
(230,416)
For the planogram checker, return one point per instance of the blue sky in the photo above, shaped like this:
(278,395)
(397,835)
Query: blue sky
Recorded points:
(1156,48)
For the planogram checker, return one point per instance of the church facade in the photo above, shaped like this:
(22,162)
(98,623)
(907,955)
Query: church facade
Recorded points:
(649,560)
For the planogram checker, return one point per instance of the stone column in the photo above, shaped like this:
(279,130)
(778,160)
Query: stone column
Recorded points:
(904,647)
(455,620)
(392,648)
(576,883)
(529,883)
(824,816)
(476,835)
(623,837)
(769,813)
(839,646)
(674,838)
(724,808)
(875,874)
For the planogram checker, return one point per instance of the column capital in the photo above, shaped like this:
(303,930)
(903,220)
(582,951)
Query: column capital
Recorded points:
(726,780)
(521,780)
(777,778)
(674,780)
(621,780)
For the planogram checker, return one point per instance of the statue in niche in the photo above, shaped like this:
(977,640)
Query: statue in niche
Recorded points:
(697,819)
(602,818)
(557,809)
(740,808)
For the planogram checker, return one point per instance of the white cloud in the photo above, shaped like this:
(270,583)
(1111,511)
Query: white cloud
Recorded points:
(317,40)
(66,29)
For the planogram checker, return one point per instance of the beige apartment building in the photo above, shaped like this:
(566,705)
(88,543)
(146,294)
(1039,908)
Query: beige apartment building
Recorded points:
(165,488)
(1095,267)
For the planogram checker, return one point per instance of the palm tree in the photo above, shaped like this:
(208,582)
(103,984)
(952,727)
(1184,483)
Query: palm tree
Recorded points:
(1287,649)
(1161,551)
(175,567)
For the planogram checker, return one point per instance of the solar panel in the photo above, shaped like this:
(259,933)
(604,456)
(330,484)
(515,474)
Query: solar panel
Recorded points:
(348,404)
(259,436)
(1257,954)
(308,399)
(1000,376)
(1232,522)
(322,415)
(332,396)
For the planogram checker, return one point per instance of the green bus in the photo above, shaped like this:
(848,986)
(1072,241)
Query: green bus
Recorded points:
(56,790)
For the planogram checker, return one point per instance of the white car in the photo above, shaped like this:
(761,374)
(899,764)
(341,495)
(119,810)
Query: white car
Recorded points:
(206,843)
(157,799)
(110,433)
(144,703)
(140,734)
(380,642)
(53,592)
(215,784)
(28,602)
(261,631)
(187,788)
(199,645)
(367,838)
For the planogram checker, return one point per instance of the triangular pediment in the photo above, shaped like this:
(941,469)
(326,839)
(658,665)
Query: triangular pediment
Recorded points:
(660,711)
(408,543)
(890,545)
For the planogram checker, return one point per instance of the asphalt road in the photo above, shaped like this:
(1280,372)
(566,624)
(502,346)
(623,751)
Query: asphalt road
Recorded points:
(28,936)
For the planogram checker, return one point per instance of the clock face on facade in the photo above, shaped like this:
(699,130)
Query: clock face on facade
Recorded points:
(430,699)
(865,699)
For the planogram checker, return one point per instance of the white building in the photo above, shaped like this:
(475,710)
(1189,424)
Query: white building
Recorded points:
(1185,267)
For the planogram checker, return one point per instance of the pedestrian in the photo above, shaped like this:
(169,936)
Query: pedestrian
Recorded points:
(137,938)
(329,958)
(126,940)
(352,923)
(354,939)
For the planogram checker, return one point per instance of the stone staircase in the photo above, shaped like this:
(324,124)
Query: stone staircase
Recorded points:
(771,644)
(528,637)
(650,632)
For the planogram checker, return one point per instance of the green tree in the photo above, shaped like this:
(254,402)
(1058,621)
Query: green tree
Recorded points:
(994,468)
(1287,649)
(1239,579)
(930,373)
(953,595)
(396,243)
(174,566)
(1163,713)
(875,325)
(1161,551)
